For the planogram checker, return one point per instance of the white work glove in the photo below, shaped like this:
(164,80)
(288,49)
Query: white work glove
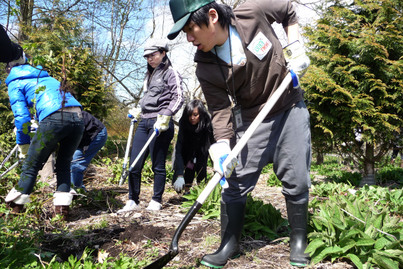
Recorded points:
(162,123)
(179,183)
(296,58)
(23,150)
(219,152)
(134,113)
(34,126)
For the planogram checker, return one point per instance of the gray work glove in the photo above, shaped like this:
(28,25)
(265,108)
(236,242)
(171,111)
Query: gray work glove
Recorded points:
(179,184)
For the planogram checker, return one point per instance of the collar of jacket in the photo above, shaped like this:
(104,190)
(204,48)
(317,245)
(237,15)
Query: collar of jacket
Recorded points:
(210,57)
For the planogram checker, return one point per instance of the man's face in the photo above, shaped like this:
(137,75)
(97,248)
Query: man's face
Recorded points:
(202,37)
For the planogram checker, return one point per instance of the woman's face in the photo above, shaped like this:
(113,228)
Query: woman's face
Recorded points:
(154,59)
(194,118)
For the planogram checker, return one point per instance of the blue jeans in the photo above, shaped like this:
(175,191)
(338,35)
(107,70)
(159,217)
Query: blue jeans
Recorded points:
(158,149)
(81,158)
(63,130)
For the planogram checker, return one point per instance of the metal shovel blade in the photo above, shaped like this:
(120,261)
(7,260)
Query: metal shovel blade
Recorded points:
(161,262)
(174,249)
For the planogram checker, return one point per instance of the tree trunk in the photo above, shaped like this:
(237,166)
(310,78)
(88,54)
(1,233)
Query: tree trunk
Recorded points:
(369,166)
(319,158)
(26,8)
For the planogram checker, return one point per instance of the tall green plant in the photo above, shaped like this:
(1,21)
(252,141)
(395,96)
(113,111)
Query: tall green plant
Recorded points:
(263,220)
(355,82)
(61,46)
(348,227)
(211,207)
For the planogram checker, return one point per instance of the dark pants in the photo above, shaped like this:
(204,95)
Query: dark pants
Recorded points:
(198,169)
(82,158)
(158,149)
(58,129)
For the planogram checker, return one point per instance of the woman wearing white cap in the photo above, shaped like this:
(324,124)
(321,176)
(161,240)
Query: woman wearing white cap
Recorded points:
(162,99)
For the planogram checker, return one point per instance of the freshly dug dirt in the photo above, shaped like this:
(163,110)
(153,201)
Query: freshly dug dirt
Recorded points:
(94,224)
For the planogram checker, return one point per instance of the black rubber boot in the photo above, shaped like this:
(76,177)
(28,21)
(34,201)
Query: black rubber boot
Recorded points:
(232,218)
(298,219)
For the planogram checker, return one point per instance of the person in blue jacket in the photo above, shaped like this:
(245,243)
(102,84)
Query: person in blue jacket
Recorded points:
(33,93)
(94,138)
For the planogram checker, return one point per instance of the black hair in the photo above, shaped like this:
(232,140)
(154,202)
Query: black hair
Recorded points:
(204,117)
(201,17)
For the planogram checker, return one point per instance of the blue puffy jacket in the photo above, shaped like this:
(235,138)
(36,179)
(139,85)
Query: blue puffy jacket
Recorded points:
(29,86)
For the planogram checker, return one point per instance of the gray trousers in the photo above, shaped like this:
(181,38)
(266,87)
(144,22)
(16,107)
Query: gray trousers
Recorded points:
(285,141)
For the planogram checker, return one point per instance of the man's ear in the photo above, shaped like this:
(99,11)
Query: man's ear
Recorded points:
(213,15)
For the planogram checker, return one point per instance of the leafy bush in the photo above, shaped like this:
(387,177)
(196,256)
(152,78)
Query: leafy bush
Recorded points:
(87,262)
(211,207)
(345,177)
(390,174)
(263,220)
(326,189)
(17,239)
(381,198)
(267,169)
(348,227)
(273,181)
(330,165)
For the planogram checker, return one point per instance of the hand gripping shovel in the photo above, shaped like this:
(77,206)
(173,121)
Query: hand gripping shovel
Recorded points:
(14,150)
(128,146)
(140,154)
(173,249)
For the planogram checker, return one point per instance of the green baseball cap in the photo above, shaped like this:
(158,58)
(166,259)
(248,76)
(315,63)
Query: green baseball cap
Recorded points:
(181,11)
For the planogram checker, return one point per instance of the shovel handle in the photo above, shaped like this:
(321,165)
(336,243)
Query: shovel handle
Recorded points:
(247,135)
(140,154)
(128,146)
(10,168)
(8,156)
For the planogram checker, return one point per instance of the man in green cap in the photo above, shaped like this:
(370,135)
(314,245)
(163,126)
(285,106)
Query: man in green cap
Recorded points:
(240,63)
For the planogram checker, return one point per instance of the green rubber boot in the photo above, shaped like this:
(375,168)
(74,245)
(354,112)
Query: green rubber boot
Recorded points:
(232,218)
(298,219)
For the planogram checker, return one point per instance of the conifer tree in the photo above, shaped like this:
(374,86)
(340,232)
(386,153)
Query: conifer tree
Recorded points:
(355,81)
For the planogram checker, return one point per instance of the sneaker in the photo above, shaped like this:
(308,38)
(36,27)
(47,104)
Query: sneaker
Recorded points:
(130,205)
(154,205)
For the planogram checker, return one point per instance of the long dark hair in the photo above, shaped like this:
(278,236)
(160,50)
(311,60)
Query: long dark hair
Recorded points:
(204,117)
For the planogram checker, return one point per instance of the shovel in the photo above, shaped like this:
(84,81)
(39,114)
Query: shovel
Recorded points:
(128,146)
(140,154)
(6,159)
(174,249)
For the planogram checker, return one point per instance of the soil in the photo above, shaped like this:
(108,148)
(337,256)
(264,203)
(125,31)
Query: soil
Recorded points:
(94,224)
